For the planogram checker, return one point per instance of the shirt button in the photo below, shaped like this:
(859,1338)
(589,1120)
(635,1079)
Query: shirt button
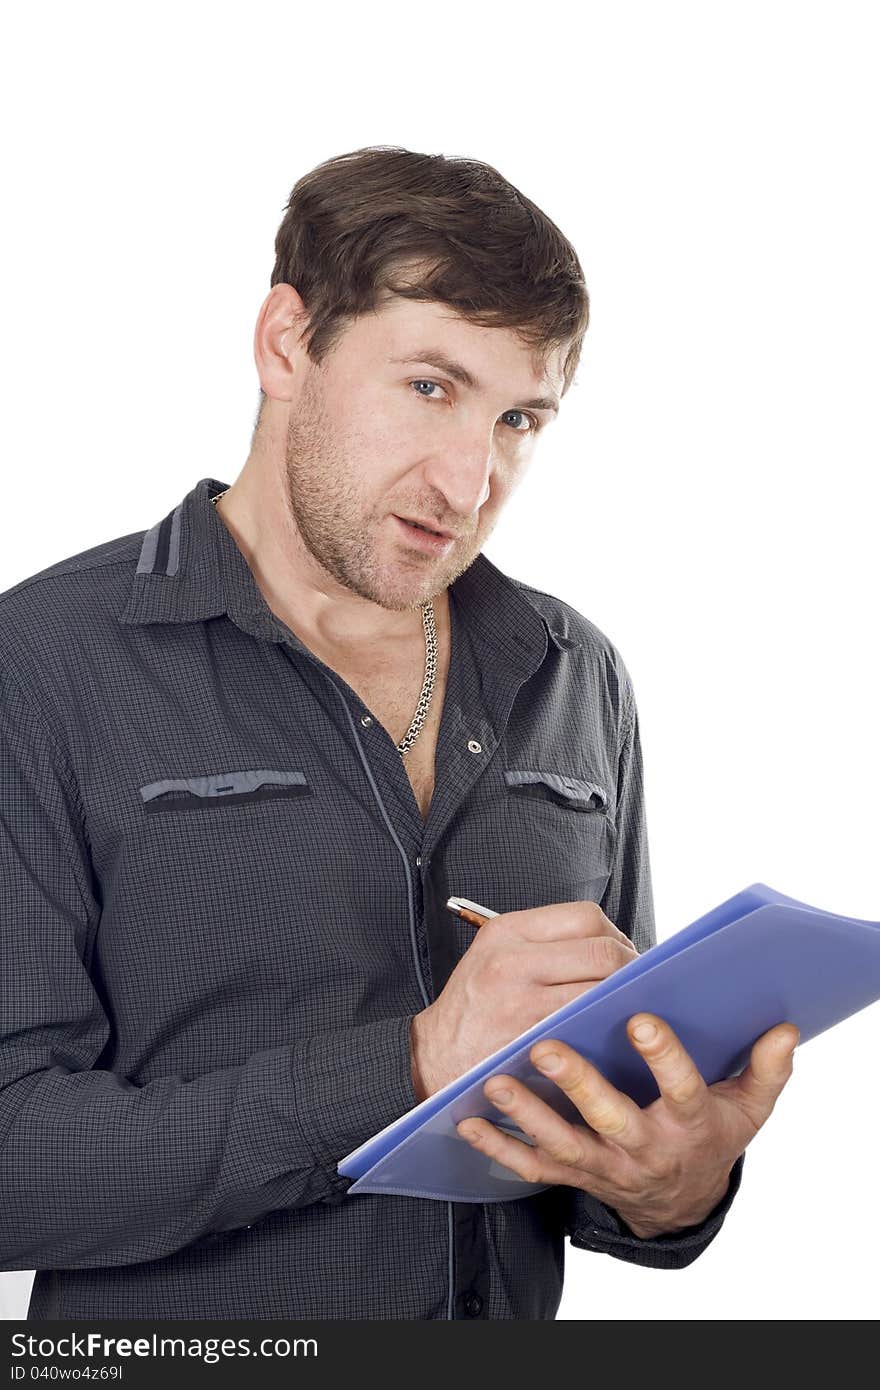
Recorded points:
(419,860)
(473,1305)
(366,720)
(474,747)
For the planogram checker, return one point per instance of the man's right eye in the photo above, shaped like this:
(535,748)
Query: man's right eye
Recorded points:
(421,382)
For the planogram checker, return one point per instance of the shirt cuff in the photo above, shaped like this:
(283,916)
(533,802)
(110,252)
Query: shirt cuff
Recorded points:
(348,1085)
(593,1226)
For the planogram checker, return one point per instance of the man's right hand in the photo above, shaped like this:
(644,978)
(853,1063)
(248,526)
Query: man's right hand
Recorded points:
(520,967)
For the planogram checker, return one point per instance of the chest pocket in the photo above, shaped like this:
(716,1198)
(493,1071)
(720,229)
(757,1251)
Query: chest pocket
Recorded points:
(221,789)
(540,835)
(565,831)
(571,793)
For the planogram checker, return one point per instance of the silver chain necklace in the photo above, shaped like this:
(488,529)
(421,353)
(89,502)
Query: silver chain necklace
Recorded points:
(420,715)
(430,630)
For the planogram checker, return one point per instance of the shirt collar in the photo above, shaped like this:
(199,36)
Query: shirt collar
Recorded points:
(190,568)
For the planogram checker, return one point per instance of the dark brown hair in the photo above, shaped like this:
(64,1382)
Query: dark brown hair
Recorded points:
(384,220)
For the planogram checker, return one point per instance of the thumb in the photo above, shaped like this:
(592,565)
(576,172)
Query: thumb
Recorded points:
(770,1066)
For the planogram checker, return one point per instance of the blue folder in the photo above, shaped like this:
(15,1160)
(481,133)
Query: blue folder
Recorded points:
(757,959)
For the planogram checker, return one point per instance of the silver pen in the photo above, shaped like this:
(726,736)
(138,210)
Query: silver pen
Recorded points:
(470,912)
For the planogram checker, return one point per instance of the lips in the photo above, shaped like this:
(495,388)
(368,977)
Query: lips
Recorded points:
(420,538)
(426,526)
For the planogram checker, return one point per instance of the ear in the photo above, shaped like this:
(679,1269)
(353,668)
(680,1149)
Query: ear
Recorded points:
(280,324)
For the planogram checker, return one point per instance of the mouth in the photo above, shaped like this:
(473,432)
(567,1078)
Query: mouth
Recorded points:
(419,536)
(424,526)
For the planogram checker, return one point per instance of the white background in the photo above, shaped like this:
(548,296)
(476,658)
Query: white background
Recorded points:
(708,496)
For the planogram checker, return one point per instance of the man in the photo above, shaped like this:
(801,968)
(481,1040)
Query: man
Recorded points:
(249,752)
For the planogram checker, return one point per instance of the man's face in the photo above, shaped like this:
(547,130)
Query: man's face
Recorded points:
(377,432)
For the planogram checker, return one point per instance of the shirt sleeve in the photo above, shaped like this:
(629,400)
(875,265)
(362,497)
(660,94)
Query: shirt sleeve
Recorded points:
(96,1170)
(628,902)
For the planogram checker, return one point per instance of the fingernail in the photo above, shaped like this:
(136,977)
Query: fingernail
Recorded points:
(468,1133)
(644,1032)
(549,1061)
(503,1096)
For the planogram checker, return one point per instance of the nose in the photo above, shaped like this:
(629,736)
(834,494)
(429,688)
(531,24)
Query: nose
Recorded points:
(461,468)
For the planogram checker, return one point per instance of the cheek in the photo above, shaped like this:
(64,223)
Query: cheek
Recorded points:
(375,449)
(507,473)
(520,460)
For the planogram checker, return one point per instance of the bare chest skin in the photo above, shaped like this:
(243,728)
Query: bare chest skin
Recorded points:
(393,702)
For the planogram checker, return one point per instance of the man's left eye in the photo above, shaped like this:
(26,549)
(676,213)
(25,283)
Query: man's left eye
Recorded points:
(531,423)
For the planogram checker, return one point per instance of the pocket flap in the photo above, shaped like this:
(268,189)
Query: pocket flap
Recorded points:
(577,790)
(224,783)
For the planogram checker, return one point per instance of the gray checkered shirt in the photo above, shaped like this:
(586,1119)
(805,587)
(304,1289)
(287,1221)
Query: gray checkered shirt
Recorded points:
(221,908)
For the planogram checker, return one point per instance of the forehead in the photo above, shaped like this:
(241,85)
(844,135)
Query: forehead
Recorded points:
(401,328)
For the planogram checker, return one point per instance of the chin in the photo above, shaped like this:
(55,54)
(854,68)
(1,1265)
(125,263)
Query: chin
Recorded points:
(402,596)
(403,603)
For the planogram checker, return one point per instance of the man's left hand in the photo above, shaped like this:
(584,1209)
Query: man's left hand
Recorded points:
(662,1168)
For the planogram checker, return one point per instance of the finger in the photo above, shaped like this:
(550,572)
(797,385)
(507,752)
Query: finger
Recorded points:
(606,1110)
(565,962)
(528,1162)
(561,1141)
(770,1066)
(679,1082)
(556,921)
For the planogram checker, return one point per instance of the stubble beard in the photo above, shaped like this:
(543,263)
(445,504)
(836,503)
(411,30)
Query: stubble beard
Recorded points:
(328,513)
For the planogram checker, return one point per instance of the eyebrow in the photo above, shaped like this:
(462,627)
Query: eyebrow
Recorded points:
(434,357)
